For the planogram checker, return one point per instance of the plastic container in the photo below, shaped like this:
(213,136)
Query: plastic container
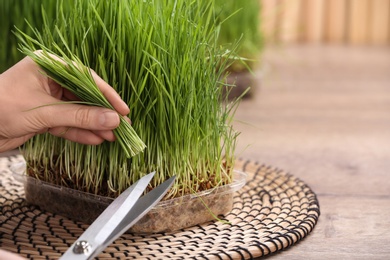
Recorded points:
(168,215)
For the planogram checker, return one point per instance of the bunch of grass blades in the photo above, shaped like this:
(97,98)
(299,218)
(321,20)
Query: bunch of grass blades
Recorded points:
(70,73)
(162,57)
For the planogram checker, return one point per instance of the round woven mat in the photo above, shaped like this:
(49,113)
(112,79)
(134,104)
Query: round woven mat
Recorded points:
(273,211)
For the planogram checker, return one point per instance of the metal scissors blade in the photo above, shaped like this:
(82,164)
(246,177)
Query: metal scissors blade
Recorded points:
(118,217)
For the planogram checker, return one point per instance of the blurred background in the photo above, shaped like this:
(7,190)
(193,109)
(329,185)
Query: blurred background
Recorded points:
(353,22)
(319,109)
(323,60)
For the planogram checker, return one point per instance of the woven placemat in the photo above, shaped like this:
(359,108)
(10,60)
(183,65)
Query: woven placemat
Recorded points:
(273,211)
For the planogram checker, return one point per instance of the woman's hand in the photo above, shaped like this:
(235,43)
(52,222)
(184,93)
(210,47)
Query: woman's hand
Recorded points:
(28,106)
(5,255)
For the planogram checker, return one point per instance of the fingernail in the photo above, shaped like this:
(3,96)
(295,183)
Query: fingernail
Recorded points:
(127,119)
(109,119)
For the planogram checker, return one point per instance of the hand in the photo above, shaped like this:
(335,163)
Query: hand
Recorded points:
(5,255)
(28,106)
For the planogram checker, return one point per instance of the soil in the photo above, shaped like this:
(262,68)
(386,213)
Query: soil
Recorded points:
(185,214)
(86,208)
(74,205)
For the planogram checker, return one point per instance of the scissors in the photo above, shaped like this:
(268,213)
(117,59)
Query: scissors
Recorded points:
(117,218)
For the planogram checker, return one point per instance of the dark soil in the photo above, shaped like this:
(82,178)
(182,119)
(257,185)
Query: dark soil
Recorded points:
(86,208)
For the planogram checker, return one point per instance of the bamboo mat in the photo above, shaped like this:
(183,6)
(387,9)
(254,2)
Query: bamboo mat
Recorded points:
(272,212)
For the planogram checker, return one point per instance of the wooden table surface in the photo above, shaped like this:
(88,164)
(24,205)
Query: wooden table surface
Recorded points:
(322,113)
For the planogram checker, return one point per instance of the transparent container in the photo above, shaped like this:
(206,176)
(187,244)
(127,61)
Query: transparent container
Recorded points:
(166,216)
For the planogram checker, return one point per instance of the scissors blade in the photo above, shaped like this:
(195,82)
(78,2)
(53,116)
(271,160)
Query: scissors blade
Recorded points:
(143,206)
(96,235)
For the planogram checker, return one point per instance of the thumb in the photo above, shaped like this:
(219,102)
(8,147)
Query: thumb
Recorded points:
(78,116)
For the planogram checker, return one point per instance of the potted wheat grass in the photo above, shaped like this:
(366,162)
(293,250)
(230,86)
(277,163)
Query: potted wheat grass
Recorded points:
(239,22)
(163,58)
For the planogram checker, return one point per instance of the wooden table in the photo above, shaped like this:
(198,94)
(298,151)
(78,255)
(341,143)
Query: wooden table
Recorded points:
(322,113)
